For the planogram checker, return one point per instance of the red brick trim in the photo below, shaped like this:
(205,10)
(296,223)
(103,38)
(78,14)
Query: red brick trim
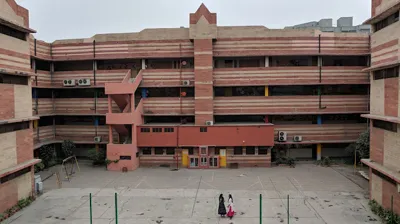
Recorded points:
(385,45)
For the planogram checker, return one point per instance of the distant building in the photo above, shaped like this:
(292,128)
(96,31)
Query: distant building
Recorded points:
(344,25)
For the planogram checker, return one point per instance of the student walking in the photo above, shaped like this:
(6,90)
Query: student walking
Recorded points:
(231,209)
(221,206)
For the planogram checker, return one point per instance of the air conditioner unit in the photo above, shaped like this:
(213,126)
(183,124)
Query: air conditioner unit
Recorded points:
(69,82)
(185,82)
(84,82)
(297,138)
(97,139)
(282,136)
(209,122)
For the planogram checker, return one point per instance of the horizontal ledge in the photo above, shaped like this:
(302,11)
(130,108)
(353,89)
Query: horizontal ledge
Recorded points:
(392,174)
(18,167)
(40,144)
(16,26)
(382,118)
(64,87)
(16,120)
(379,67)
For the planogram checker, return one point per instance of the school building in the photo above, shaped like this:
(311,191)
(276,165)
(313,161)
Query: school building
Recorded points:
(16,143)
(201,96)
(385,108)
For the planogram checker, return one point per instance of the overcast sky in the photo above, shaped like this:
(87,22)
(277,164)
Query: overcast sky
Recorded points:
(66,19)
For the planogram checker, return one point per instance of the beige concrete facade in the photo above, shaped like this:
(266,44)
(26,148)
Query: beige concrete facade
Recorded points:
(385,106)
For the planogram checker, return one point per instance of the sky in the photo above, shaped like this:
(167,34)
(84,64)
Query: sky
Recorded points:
(68,19)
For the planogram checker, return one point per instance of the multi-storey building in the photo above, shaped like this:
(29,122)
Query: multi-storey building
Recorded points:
(205,96)
(385,110)
(343,24)
(16,143)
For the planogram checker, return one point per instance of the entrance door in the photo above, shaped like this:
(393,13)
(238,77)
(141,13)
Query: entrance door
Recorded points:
(214,162)
(194,162)
(203,153)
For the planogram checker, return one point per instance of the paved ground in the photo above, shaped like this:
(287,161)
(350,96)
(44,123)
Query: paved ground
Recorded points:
(317,195)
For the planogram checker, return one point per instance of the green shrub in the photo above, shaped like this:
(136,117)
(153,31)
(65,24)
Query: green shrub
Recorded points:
(285,160)
(67,147)
(386,215)
(98,156)
(46,154)
(39,167)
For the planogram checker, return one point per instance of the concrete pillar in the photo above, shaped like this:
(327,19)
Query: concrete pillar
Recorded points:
(143,63)
(110,136)
(319,120)
(319,61)
(244,150)
(266,61)
(319,151)
(256,150)
(109,104)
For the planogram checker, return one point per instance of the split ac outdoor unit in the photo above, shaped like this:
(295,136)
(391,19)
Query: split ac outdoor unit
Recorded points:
(185,82)
(84,82)
(297,138)
(97,139)
(209,123)
(282,136)
(69,82)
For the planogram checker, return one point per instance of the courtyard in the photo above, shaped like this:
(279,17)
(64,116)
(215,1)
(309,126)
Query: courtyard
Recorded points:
(161,196)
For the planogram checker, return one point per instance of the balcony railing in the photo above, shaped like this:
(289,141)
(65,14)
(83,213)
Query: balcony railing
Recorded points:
(291,104)
(168,106)
(167,77)
(66,106)
(289,76)
(325,133)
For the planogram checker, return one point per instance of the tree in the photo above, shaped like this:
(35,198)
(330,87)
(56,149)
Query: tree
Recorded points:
(98,156)
(361,146)
(46,154)
(67,147)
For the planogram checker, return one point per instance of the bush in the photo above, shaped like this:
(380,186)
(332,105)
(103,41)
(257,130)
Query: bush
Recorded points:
(20,205)
(67,147)
(46,154)
(98,156)
(386,215)
(361,146)
(285,160)
(325,161)
(39,167)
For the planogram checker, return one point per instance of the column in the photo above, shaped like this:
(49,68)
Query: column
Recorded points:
(319,151)
(266,61)
(203,70)
(109,104)
(319,119)
(110,135)
(266,91)
(143,63)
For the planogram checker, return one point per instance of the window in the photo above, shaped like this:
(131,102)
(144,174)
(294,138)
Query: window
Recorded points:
(237,150)
(12,32)
(203,129)
(158,151)
(386,73)
(15,175)
(14,127)
(191,151)
(387,21)
(170,151)
(144,129)
(13,79)
(146,151)
(216,150)
(125,157)
(157,129)
(389,126)
(250,150)
(262,150)
(168,129)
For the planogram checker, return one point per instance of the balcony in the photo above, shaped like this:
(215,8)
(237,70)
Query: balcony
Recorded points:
(43,49)
(325,133)
(42,79)
(168,106)
(72,106)
(289,76)
(166,77)
(102,76)
(82,133)
(290,105)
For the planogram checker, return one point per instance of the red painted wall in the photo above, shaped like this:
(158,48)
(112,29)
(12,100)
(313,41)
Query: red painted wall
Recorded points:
(262,135)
